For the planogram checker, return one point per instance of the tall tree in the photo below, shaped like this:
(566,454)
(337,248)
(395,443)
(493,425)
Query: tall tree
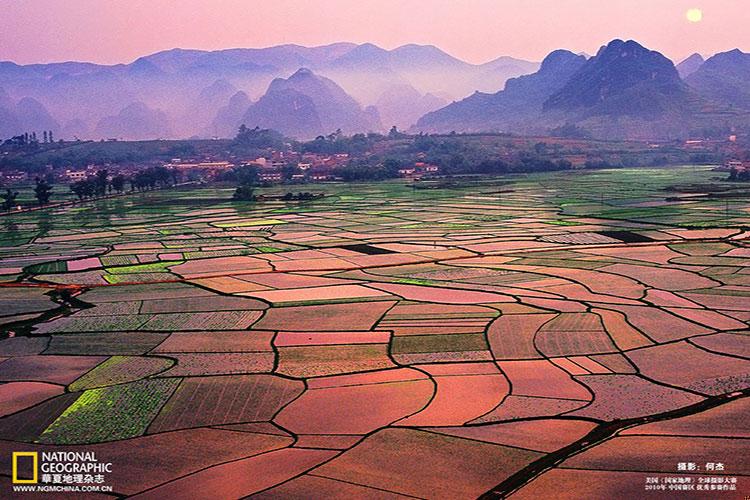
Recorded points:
(101,182)
(288,171)
(244,192)
(118,183)
(9,199)
(161,175)
(42,191)
(246,174)
(85,188)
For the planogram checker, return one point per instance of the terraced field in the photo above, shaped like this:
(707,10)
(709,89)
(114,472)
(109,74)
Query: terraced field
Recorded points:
(568,334)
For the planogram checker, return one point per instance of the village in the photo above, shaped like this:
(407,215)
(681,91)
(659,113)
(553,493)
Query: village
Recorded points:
(275,167)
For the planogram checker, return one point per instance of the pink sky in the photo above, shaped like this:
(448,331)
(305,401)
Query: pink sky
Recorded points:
(114,31)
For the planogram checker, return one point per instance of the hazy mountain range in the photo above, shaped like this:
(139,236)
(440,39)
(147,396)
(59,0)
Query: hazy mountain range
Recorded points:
(521,101)
(624,91)
(198,91)
(306,105)
(724,78)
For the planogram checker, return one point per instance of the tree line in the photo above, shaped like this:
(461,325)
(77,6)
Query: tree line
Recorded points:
(101,184)
(42,193)
(95,186)
(30,139)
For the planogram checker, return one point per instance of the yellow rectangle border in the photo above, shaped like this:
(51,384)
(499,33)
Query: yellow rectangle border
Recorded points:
(32,454)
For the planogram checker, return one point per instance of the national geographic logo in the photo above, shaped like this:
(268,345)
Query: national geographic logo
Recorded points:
(29,461)
(59,472)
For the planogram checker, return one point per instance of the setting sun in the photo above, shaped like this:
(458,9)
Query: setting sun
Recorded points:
(694,15)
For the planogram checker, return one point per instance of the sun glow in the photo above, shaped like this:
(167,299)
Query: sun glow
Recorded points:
(694,15)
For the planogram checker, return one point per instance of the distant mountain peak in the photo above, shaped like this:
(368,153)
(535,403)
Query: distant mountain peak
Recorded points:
(369,46)
(307,104)
(143,66)
(693,57)
(240,96)
(520,101)
(690,65)
(413,55)
(366,54)
(624,49)
(136,121)
(305,80)
(620,68)
(625,91)
(736,52)
(218,88)
(421,49)
(730,57)
(302,73)
(724,78)
(557,58)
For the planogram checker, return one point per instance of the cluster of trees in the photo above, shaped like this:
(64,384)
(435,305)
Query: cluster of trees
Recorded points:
(98,185)
(256,139)
(244,192)
(527,163)
(306,196)
(653,160)
(333,143)
(60,155)
(739,175)
(375,169)
(152,178)
(337,142)
(247,179)
(42,193)
(101,183)
(9,199)
(242,174)
(366,170)
(246,176)
(29,139)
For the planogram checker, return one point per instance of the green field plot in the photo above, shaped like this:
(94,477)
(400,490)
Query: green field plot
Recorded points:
(110,413)
(120,369)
